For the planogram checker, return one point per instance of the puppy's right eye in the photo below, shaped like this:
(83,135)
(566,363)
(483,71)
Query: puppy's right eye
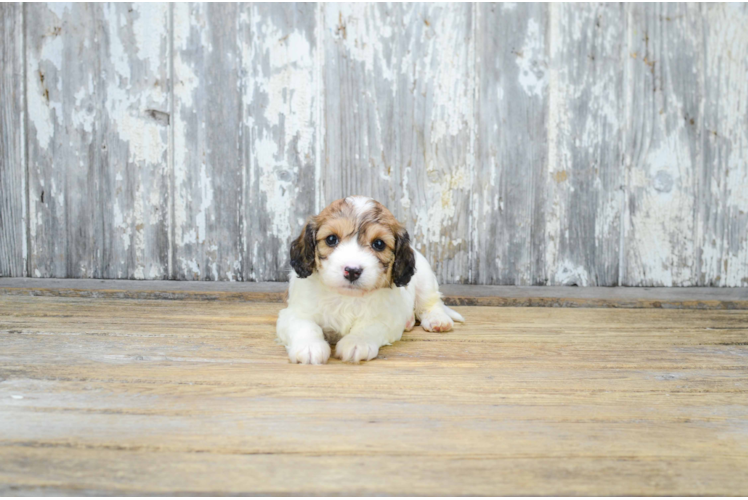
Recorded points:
(331,240)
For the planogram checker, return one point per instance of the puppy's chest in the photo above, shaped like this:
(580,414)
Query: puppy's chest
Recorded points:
(338,315)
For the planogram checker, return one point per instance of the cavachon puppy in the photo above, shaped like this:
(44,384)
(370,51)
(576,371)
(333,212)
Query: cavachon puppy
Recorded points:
(357,283)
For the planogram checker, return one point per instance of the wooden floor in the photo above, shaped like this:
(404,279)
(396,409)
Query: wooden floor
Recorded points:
(101,396)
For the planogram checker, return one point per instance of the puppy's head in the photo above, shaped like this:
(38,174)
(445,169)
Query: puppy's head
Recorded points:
(356,245)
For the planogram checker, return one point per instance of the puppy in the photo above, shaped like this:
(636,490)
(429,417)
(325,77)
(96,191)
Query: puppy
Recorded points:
(356,283)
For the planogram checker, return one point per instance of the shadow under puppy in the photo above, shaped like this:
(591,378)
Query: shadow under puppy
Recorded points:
(357,283)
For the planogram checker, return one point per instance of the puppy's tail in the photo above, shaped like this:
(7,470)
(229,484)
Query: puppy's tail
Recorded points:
(454,314)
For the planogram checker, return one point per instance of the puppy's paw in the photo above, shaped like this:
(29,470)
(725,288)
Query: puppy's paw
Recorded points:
(436,319)
(354,350)
(410,323)
(311,352)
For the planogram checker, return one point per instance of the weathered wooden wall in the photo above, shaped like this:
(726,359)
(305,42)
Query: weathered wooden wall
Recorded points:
(13,250)
(576,144)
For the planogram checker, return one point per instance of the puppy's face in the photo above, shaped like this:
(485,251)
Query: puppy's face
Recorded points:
(356,245)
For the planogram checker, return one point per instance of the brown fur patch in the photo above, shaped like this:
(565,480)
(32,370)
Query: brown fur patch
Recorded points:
(342,227)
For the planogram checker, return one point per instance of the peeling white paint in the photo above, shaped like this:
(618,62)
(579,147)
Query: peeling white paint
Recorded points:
(148,33)
(233,273)
(279,193)
(57,196)
(44,108)
(126,108)
(206,203)
(118,56)
(557,125)
(129,95)
(442,210)
(452,87)
(284,75)
(362,28)
(122,225)
(405,199)
(531,61)
(186,83)
(568,273)
(663,219)
(190,266)
(59,8)
(319,97)
(22,118)
(84,112)
(289,87)
(583,117)
(725,236)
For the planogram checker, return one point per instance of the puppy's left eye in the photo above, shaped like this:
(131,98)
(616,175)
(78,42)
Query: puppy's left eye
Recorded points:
(331,240)
(378,245)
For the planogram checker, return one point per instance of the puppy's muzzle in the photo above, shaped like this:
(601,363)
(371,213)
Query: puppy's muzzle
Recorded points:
(352,273)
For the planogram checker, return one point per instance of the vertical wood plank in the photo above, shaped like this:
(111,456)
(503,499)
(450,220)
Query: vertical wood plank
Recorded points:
(279,131)
(63,158)
(97,80)
(585,170)
(511,172)
(399,115)
(663,143)
(12,143)
(723,199)
(135,120)
(208,166)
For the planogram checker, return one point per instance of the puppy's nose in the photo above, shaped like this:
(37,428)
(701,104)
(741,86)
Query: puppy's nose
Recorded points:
(352,273)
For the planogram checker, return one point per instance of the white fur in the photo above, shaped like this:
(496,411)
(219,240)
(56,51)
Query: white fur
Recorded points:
(350,254)
(363,320)
(360,203)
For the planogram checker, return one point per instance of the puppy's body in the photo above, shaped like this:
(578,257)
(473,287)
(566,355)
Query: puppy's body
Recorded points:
(360,286)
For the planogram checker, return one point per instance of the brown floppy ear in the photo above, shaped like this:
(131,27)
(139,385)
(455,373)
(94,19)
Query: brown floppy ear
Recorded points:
(302,250)
(405,260)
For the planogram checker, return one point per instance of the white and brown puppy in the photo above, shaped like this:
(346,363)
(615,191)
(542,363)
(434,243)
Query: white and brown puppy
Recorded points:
(358,283)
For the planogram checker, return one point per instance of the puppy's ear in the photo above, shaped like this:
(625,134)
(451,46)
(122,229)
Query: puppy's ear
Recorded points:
(405,260)
(302,250)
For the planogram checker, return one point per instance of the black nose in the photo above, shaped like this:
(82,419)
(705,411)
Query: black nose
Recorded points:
(352,273)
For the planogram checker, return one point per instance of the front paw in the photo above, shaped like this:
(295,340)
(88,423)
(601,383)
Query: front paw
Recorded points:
(436,320)
(312,352)
(354,350)
(410,323)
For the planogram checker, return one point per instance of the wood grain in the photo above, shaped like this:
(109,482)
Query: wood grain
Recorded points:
(208,165)
(98,92)
(280,132)
(399,117)
(135,141)
(585,117)
(663,143)
(134,397)
(722,224)
(511,170)
(63,159)
(12,143)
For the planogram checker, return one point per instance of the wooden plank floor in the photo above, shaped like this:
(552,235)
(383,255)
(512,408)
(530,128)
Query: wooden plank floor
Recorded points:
(151,397)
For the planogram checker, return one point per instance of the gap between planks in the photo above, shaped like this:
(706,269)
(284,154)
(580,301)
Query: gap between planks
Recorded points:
(465,295)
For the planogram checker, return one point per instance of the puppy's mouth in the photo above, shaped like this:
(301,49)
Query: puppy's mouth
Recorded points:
(354,290)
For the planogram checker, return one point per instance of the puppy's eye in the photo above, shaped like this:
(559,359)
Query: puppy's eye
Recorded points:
(378,245)
(331,240)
